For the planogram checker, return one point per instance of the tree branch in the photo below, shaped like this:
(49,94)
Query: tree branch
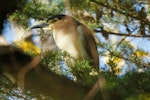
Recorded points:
(123,34)
(40,78)
(121,11)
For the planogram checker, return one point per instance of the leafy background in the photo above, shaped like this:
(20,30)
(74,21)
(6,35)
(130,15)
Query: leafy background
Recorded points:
(121,28)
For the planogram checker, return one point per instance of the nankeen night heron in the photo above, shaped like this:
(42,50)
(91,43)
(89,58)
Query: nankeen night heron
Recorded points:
(73,37)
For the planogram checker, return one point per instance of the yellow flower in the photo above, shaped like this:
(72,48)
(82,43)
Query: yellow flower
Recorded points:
(140,53)
(28,47)
(116,60)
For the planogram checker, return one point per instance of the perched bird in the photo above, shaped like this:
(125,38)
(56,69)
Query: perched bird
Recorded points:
(73,37)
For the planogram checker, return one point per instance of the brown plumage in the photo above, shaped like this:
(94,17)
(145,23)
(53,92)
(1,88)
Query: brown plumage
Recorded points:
(73,37)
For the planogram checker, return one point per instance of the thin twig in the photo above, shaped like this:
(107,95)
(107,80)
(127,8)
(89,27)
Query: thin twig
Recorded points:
(120,11)
(124,34)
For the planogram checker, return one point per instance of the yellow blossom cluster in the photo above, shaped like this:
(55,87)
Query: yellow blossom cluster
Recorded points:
(28,47)
(140,53)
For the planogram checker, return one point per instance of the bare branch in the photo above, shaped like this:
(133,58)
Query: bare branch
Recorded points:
(121,11)
(124,34)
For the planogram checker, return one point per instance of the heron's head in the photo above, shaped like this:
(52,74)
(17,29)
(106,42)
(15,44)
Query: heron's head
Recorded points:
(50,22)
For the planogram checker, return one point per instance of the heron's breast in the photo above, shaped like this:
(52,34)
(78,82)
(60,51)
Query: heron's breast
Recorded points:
(72,42)
(66,42)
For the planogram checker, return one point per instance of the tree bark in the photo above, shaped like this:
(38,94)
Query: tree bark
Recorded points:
(40,78)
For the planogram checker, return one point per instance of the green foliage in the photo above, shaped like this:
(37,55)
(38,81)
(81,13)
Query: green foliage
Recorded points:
(80,4)
(122,52)
(83,72)
(10,92)
(52,60)
(132,86)
(37,10)
(95,13)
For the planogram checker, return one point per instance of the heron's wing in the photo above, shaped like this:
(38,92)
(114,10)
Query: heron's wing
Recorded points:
(89,43)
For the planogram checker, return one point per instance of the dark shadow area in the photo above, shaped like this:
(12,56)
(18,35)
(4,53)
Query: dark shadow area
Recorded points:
(40,79)
(7,7)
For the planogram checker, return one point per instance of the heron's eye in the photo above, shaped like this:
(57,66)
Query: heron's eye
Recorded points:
(53,20)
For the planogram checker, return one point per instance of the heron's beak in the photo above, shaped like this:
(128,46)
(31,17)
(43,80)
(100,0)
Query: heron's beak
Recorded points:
(42,25)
